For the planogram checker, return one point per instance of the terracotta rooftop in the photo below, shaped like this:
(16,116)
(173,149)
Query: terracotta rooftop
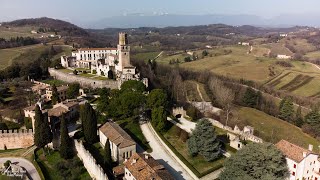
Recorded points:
(116,135)
(96,49)
(292,151)
(118,170)
(70,103)
(144,166)
(57,111)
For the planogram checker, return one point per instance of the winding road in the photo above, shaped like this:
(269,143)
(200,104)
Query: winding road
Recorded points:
(34,175)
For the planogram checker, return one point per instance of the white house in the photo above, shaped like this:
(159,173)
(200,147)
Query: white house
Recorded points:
(283,35)
(283,56)
(302,163)
(121,144)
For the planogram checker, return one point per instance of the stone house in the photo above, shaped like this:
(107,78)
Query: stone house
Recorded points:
(121,144)
(62,91)
(144,166)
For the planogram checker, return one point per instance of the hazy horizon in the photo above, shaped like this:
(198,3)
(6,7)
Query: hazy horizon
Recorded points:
(86,11)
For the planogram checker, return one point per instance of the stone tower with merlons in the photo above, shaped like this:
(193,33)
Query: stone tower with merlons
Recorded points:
(124,51)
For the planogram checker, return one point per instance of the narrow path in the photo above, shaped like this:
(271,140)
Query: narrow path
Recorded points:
(160,153)
(316,66)
(200,94)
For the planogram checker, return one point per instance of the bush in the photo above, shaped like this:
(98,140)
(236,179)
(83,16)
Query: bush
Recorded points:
(284,63)
(94,71)
(28,123)
(193,112)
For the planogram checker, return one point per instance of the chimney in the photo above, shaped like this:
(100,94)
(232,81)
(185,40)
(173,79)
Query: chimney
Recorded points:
(310,147)
(133,161)
(304,154)
(146,156)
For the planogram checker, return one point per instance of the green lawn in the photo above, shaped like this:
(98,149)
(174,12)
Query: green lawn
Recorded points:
(145,56)
(133,129)
(199,163)
(272,129)
(50,163)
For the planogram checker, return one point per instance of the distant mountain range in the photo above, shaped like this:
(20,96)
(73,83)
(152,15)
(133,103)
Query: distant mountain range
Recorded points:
(140,20)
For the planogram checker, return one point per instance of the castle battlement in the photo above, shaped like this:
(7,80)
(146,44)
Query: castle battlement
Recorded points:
(14,139)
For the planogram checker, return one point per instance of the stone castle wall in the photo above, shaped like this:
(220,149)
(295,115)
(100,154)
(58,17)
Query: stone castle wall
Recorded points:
(95,170)
(85,82)
(14,139)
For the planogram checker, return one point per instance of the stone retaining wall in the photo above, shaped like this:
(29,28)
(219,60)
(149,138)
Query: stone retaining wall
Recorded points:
(83,81)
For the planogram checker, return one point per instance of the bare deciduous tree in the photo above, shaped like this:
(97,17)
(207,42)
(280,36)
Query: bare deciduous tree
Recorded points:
(224,95)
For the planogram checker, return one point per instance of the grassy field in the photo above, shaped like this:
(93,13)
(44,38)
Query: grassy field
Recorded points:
(236,64)
(50,162)
(198,162)
(299,44)
(7,56)
(313,55)
(272,129)
(145,56)
(279,48)
(192,91)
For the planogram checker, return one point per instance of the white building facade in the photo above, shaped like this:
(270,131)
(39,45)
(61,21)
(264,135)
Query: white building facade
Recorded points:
(303,163)
(105,61)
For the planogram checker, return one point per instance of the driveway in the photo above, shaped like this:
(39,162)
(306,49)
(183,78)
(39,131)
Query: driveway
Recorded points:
(163,156)
(184,124)
(24,163)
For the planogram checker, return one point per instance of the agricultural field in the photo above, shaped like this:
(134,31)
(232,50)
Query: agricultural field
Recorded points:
(300,45)
(23,31)
(279,48)
(8,55)
(272,129)
(313,55)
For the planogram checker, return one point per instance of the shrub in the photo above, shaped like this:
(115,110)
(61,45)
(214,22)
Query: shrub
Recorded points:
(284,63)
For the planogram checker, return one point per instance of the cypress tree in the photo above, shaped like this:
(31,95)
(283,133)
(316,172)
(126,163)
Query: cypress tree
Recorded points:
(38,141)
(55,95)
(65,145)
(46,134)
(89,123)
(107,151)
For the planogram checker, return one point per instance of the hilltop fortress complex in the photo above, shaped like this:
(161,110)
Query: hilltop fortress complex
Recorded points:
(106,61)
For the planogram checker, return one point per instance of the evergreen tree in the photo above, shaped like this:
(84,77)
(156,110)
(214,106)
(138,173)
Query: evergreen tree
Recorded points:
(55,95)
(157,98)
(250,98)
(46,134)
(286,110)
(89,123)
(66,144)
(159,118)
(203,141)
(110,74)
(299,119)
(107,154)
(313,118)
(254,162)
(38,141)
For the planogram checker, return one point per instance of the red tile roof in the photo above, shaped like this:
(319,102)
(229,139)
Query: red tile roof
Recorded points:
(292,151)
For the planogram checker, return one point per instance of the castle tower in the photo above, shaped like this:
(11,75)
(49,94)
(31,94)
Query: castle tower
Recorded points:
(123,51)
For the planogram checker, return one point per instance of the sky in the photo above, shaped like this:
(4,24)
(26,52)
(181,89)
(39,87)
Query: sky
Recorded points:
(94,10)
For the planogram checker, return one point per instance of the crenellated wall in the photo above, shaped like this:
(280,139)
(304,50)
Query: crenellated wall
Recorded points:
(85,82)
(14,139)
(95,170)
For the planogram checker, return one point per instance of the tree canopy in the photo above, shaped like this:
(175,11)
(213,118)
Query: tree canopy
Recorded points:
(133,85)
(157,98)
(55,96)
(42,132)
(203,141)
(73,90)
(286,109)
(255,162)
(66,143)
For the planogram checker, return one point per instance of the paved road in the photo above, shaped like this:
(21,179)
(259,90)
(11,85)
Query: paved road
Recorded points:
(183,124)
(159,153)
(24,163)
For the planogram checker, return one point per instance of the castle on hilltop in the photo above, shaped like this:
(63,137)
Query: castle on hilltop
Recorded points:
(110,62)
